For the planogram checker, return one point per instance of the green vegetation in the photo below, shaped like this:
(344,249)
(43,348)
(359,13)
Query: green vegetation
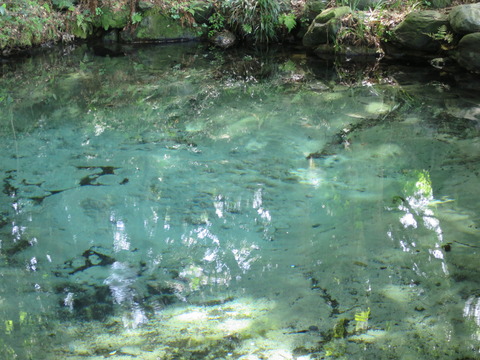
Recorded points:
(443,35)
(217,23)
(361,319)
(257,19)
(340,328)
(26,23)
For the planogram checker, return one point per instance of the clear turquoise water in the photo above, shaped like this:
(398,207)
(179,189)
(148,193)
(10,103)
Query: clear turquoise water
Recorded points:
(184,203)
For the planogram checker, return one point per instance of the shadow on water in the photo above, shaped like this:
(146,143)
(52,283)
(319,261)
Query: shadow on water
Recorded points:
(184,202)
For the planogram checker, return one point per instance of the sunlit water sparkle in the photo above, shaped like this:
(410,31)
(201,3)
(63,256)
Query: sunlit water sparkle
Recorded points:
(184,203)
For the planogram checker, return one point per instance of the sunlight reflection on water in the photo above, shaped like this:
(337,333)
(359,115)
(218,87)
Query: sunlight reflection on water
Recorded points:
(211,209)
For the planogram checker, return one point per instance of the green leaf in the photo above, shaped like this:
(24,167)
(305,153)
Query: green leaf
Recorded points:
(136,18)
(3,9)
(247,28)
(288,20)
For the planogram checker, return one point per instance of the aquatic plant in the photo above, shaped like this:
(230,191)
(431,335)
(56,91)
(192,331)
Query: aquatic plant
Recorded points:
(335,348)
(340,328)
(361,319)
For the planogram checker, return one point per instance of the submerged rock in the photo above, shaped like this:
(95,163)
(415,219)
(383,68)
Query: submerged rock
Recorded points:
(465,19)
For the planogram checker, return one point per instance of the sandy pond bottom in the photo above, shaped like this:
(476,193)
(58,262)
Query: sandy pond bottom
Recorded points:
(278,214)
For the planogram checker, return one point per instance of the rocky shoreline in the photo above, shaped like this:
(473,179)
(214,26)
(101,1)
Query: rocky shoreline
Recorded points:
(445,37)
(439,36)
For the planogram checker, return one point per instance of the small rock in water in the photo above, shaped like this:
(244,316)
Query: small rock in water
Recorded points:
(224,39)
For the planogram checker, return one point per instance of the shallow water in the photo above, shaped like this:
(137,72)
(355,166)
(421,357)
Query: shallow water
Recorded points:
(184,203)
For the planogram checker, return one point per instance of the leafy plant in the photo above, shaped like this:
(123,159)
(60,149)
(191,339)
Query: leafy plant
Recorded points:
(183,11)
(83,21)
(442,35)
(27,23)
(255,19)
(136,18)
(288,20)
(217,23)
(63,4)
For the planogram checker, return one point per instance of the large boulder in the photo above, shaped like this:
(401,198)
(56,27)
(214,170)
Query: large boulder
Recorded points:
(158,28)
(468,52)
(465,19)
(325,26)
(417,30)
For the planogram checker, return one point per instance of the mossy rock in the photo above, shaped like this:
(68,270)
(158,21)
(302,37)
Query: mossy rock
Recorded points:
(438,4)
(465,19)
(325,26)
(159,28)
(333,13)
(468,54)
(108,19)
(416,31)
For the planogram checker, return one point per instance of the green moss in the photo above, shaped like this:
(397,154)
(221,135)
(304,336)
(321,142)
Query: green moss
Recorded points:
(159,27)
(329,14)
(108,19)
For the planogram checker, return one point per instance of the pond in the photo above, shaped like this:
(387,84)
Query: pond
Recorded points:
(181,202)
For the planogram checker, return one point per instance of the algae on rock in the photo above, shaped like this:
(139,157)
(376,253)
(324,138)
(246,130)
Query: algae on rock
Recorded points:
(325,26)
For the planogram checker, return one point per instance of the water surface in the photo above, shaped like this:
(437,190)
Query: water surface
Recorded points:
(186,203)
